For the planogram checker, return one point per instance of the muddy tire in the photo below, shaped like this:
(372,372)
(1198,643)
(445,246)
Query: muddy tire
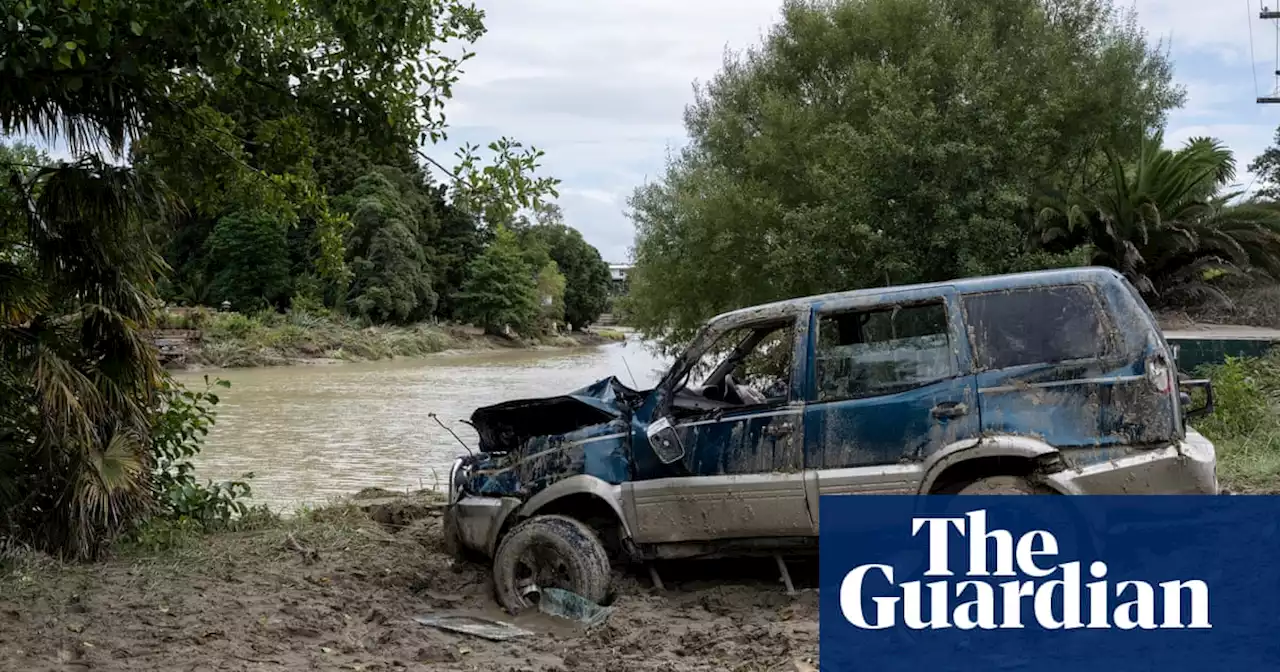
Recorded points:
(1004,485)
(551,552)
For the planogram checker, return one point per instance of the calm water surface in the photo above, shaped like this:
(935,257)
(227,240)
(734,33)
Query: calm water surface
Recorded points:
(311,433)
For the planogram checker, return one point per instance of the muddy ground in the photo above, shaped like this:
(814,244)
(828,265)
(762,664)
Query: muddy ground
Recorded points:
(338,590)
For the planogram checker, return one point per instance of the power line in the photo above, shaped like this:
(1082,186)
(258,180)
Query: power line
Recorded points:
(1248,13)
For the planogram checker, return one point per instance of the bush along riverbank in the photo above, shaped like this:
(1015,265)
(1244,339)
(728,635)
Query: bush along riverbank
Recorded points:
(197,339)
(1245,424)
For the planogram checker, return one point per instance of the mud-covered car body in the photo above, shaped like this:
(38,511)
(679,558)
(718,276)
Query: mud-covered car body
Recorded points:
(1060,377)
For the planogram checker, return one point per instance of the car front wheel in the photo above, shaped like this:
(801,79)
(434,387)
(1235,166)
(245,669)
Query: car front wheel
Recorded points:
(549,552)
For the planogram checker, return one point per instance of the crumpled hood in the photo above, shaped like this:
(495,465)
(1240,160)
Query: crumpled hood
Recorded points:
(506,426)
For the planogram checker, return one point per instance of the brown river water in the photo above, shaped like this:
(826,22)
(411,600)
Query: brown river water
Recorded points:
(313,433)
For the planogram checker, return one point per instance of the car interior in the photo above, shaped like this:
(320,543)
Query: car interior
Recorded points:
(745,367)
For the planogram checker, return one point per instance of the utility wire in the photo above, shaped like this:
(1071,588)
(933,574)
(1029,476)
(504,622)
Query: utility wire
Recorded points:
(1248,12)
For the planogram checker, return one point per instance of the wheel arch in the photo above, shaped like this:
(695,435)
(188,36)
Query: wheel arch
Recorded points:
(583,497)
(990,455)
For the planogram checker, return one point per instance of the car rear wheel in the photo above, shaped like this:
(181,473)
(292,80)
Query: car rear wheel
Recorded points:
(549,552)
(1004,485)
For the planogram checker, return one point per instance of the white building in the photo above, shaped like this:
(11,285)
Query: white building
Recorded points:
(619,273)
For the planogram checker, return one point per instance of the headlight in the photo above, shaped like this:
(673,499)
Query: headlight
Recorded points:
(457,476)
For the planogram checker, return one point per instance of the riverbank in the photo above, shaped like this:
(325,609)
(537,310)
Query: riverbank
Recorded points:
(233,340)
(339,587)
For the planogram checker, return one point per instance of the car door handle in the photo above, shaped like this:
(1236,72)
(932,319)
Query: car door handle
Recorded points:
(779,429)
(949,409)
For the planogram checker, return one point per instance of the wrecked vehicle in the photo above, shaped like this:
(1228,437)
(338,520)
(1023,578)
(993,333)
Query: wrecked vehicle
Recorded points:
(1046,382)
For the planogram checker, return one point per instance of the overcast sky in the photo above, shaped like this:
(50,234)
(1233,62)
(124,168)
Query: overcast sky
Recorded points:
(601,85)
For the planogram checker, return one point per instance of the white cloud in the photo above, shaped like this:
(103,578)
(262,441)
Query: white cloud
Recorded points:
(602,86)
(597,195)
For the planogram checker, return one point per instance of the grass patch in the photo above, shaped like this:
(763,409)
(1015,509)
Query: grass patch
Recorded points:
(1245,425)
(267,339)
(232,340)
(610,334)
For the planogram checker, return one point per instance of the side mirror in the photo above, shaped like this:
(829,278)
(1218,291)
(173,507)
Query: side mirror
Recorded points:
(1184,393)
(665,441)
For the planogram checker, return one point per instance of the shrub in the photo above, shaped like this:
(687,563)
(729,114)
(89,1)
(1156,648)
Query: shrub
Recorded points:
(180,425)
(1245,424)
(233,325)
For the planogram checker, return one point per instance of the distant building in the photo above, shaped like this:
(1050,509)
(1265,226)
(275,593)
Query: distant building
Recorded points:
(619,273)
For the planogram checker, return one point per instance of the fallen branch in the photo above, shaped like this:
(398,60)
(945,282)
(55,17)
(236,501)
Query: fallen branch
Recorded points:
(308,555)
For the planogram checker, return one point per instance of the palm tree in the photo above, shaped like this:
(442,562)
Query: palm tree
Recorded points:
(1165,223)
(77,376)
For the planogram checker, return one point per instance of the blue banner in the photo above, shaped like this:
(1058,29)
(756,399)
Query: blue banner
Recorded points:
(1049,583)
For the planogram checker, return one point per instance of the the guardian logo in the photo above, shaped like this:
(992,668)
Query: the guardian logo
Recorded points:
(1040,591)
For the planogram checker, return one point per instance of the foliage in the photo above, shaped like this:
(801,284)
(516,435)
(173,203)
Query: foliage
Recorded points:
(872,142)
(76,373)
(500,290)
(221,104)
(1266,166)
(1163,222)
(106,68)
(551,292)
(248,105)
(587,281)
(250,253)
(268,338)
(1245,424)
(181,421)
(392,281)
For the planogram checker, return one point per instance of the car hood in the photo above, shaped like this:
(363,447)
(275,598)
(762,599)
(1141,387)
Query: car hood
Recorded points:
(506,426)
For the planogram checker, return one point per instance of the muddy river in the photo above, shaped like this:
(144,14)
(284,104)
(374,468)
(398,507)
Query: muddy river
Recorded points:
(312,433)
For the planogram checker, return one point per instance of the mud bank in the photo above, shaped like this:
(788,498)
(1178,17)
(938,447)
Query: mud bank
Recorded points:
(338,589)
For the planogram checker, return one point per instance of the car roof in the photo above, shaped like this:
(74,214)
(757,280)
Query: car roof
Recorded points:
(989,283)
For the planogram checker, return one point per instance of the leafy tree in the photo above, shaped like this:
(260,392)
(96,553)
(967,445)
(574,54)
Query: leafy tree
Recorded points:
(872,142)
(391,280)
(550,292)
(1267,168)
(460,239)
(221,98)
(1165,223)
(500,290)
(587,281)
(251,254)
(77,376)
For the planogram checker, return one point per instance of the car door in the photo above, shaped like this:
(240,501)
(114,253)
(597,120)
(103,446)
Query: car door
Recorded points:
(1046,361)
(742,475)
(890,384)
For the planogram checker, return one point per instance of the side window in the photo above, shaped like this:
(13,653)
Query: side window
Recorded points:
(759,359)
(1038,325)
(882,351)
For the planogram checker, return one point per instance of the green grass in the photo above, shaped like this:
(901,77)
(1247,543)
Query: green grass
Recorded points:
(1245,424)
(233,340)
(611,334)
(266,339)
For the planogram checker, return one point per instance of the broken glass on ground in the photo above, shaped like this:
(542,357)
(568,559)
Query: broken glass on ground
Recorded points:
(479,626)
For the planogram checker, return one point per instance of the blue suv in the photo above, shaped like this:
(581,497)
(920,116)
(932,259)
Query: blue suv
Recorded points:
(1054,382)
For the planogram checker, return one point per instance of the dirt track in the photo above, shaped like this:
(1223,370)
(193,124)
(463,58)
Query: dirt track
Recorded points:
(259,601)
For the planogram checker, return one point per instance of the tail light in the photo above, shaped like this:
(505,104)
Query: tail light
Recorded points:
(1160,374)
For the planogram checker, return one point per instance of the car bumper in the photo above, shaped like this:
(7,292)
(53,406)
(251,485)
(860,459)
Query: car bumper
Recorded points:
(471,522)
(1186,468)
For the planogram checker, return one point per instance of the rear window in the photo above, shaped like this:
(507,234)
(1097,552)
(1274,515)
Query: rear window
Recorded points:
(1040,325)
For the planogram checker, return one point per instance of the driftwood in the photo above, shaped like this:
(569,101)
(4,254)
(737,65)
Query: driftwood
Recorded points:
(309,555)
